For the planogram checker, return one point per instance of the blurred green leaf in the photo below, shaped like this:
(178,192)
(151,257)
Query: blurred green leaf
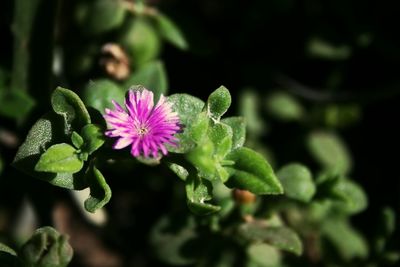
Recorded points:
(218,102)
(340,116)
(141,40)
(7,249)
(278,236)
(100,192)
(48,130)
(68,104)
(297,182)
(180,171)
(285,107)
(238,125)
(172,239)
(355,198)
(346,240)
(153,76)
(198,191)
(60,158)
(99,16)
(263,255)
(46,248)
(171,32)
(16,104)
(252,172)
(99,94)
(8,257)
(330,151)
(188,108)
(322,49)
(249,108)
(93,136)
(387,224)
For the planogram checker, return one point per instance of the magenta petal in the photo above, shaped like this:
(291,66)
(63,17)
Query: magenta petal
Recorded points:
(147,128)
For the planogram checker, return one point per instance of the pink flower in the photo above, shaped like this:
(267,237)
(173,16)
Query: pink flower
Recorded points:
(145,127)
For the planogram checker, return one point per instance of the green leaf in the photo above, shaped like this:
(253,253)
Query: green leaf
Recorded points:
(341,115)
(59,158)
(93,137)
(46,248)
(15,104)
(141,40)
(278,236)
(198,191)
(284,107)
(221,136)
(172,240)
(77,140)
(202,158)
(218,102)
(297,182)
(48,130)
(7,249)
(188,108)
(198,129)
(68,104)
(263,255)
(180,171)
(252,172)
(238,125)
(171,32)
(99,16)
(346,240)
(100,192)
(153,76)
(330,151)
(8,257)
(99,94)
(355,199)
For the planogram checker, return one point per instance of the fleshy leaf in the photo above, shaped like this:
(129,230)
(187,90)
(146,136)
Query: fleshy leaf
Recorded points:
(60,158)
(252,172)
(68,104)
(170,32)
(278,236)
(100,192)
(218,102)
(153,76)
(99,93)
(76,140)
(93,138)
(297,182)
(238,125)
(46,131)
(188,108)
(221,136)
(46,248)
(198,191)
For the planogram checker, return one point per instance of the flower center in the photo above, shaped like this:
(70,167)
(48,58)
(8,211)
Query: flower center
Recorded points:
(142,130)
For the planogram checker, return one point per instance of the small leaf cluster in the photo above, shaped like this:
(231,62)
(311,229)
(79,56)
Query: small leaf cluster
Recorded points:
(46,248)
(61,148)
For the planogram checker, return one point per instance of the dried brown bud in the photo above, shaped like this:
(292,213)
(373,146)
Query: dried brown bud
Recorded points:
(115,61)
(243,196)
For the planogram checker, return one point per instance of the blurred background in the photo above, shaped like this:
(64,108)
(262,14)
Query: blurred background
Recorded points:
(337,59)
